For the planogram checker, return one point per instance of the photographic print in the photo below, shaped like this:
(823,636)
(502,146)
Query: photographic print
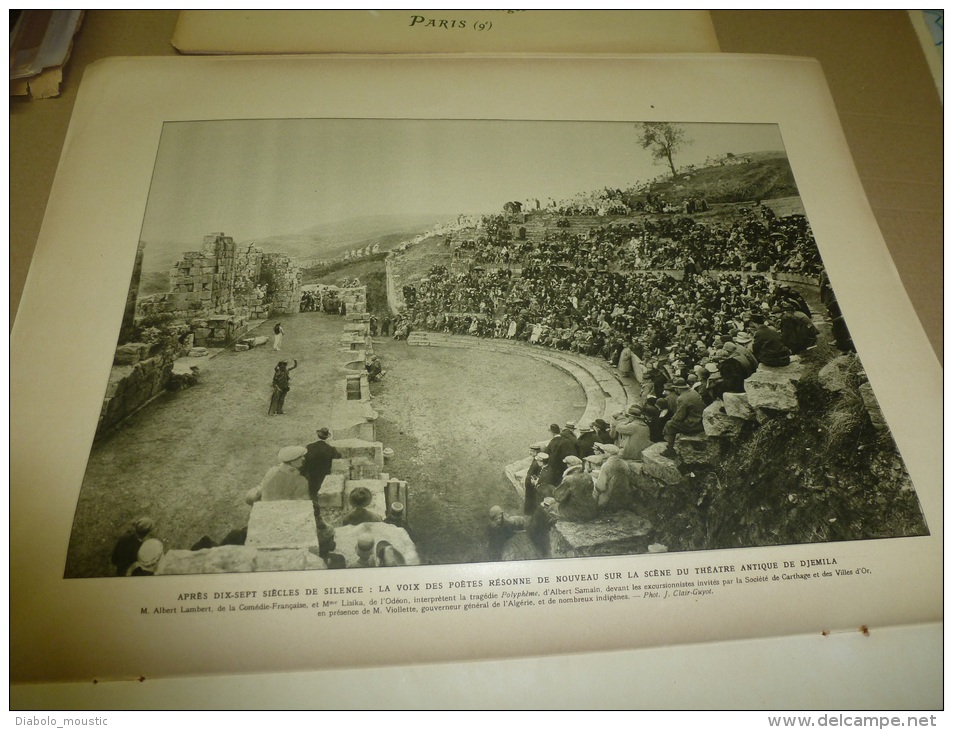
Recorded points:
(383,342)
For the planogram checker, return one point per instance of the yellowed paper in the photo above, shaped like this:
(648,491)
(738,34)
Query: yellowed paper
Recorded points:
(444,31)
(106,628)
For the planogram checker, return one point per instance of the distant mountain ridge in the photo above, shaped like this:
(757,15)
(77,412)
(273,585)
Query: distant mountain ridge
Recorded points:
(330,240)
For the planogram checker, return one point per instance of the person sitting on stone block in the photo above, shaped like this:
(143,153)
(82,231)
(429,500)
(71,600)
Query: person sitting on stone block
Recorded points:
(574,493)
(283,481)
(611,490)
(359,499)
(689,408)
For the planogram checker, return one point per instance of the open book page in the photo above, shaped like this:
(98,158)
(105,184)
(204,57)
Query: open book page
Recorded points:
(444,31)
(255,246)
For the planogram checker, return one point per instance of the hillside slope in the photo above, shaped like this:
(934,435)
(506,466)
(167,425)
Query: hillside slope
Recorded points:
(767,176)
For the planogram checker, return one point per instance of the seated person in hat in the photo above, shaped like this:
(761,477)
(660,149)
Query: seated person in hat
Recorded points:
(594,463)
(797,329)
(549,476)
(602,432)
(359,499)
(631,433)
(742,345)
(611,490)
(586,440)
(687,419)
(284,481)
(574,493)
(768,346)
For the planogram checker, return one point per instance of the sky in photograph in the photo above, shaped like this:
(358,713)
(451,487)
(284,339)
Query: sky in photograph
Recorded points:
(259,178)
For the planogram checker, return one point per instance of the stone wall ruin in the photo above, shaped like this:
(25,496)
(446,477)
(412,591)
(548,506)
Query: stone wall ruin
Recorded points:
(224,286)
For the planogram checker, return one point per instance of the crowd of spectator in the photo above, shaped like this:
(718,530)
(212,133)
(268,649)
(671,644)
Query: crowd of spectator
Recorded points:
(670,290)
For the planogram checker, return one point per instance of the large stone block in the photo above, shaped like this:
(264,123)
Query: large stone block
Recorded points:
(356,448)
(737,406)
(516,473)
(364,468)
(341,466)
(284,524)
(291,559)
(332,491)
(835,376)
(224,559)
(718,423)
(642,484)
(660,467)
(621,532)
(346,538)
(130,353)
(353,420)
(697,449)
(773,388)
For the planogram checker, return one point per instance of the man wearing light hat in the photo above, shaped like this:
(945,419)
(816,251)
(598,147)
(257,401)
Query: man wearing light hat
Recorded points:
(549,476)
(148,557)
(574,493)
(283,481)
(569,431)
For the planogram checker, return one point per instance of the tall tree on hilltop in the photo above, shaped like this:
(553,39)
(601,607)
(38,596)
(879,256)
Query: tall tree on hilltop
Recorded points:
(663,140)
